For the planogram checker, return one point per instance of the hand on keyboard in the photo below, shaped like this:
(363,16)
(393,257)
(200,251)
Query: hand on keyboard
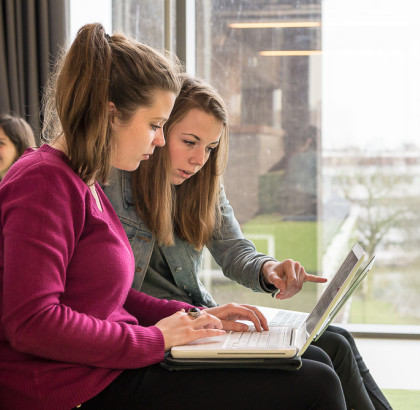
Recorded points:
(230,313)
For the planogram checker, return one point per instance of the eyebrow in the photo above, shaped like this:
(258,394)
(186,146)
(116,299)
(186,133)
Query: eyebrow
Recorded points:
(199,139)
(160,119)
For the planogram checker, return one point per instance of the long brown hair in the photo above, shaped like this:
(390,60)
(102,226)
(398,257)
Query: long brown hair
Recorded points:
(97,69)
(191,210)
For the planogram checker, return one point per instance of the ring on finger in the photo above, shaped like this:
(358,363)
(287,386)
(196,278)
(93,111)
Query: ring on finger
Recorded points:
(194,312)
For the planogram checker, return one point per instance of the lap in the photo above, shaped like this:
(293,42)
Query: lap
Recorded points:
(315,385)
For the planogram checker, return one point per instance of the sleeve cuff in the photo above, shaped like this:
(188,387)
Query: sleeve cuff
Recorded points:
(265,286)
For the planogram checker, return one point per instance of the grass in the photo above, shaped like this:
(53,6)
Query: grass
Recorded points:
(378,311)
(293,239)
(403,399)
(298,240)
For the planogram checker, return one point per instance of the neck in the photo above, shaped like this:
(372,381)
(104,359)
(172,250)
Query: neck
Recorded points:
(60,144)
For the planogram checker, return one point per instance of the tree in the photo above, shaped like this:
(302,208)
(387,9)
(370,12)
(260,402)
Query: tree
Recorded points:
(385,206)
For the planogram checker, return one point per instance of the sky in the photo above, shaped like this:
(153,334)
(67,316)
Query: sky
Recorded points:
(370,74)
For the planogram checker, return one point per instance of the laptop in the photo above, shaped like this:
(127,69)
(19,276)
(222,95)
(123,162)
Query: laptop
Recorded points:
(283,339)
(295,319)
(346,296)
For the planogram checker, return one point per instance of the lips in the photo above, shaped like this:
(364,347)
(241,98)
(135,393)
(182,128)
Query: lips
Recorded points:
(185,174)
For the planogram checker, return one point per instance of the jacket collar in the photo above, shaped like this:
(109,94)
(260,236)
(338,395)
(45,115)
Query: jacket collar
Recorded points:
(127,192)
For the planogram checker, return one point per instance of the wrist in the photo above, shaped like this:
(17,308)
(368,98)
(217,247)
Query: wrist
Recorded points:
(265,269)
(266,286)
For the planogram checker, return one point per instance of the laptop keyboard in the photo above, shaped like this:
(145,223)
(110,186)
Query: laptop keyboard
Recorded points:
(288,318)
(275,337)
(279,333)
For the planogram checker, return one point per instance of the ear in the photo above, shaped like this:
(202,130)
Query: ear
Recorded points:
(111,111)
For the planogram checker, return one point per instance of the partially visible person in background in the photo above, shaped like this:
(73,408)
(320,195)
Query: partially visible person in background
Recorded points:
(15,136)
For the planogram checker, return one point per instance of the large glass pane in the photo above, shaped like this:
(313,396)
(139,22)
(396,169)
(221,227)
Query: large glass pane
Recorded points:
(323,149)
(264,58)
(83,12)
(371,148)
(144,20)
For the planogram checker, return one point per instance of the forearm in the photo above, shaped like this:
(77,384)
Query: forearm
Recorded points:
(149,310)
(59,333)
(243,264)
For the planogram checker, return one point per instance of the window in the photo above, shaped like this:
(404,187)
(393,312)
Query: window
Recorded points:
(143,20)
(324,150)
(83,12)
(264,59)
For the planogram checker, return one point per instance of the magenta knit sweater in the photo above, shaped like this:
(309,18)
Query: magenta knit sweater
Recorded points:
(70,321)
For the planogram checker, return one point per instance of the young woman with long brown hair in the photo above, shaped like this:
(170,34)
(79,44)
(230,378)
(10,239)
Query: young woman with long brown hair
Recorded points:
(174,205)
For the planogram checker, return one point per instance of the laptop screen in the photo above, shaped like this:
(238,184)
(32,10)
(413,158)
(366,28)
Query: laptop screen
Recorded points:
(331,291)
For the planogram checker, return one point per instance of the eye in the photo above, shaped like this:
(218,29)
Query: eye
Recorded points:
(189,143)
(155,127)
(210,149)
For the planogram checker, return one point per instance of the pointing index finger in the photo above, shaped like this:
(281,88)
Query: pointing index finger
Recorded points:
(314,278)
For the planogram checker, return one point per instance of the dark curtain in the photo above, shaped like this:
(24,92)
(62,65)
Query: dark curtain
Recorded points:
(32,32)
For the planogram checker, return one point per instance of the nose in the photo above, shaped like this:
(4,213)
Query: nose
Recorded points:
(199,158)
(159,139)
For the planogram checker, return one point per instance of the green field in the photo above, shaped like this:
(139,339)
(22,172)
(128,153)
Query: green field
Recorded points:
(298,240)
(378,312)
(293,239)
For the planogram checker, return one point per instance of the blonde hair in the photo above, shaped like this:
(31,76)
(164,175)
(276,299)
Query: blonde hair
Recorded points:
(96,70)
(191,210)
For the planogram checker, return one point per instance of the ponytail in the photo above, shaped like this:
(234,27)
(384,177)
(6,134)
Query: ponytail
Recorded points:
(96,70)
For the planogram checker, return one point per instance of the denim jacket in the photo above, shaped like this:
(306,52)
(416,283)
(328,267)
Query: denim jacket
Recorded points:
(236,255)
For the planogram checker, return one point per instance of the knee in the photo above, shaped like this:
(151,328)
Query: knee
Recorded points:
(336,346)
(343,332)
(342,345)
(317,354)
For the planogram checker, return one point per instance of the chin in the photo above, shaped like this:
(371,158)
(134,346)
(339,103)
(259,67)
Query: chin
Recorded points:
(134,167)
(177,181)
(125,167)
